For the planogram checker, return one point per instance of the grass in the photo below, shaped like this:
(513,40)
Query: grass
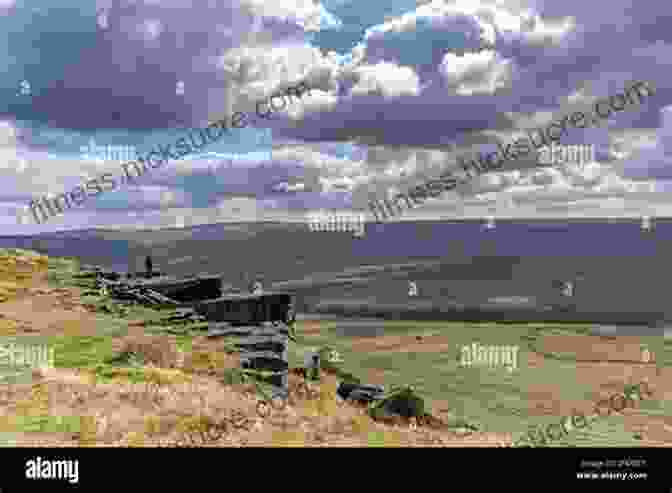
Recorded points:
(610,431)
(479,398)
(666,352)
(476,398)
(81,352)
(33,416)
(41,424)
(489,399)
(61,272)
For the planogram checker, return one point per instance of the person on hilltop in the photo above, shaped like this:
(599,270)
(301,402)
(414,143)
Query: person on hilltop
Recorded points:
(256,288)
(148,266)
(567,291)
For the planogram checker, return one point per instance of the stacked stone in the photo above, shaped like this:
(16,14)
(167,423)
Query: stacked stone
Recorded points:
(262,347)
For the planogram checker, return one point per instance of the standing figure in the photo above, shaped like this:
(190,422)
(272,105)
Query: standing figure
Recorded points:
(646,224)
(148,266)
(290,321)
(568,292)
(412,288)
(568,289)
(311,365)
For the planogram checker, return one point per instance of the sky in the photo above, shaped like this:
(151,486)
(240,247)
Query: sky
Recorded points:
(400,89)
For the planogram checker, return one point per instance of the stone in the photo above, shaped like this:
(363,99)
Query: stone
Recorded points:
(402,402)
(360,392)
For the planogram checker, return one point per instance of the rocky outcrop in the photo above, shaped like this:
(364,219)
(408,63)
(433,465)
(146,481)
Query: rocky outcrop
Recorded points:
(262,349)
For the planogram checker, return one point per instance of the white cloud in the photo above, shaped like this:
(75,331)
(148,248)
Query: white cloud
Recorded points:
(476,73)
(307,13)
(387,80)
(316,101)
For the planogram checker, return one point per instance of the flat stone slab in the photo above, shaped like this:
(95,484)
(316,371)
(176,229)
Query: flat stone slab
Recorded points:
(247,308)
(228,331)
(360,392)
(249,355)
(265,363)
(274,347)
(261,339)
(630,330)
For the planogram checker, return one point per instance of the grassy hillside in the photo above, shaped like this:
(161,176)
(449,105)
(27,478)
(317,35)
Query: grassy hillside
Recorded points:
(136,380)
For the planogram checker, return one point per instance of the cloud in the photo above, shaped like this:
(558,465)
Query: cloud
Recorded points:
(476,73)
(386,80)
(392,109)
(290,187)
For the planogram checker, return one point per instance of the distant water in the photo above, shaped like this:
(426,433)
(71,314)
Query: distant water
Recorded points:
(514,239)
(412,240)
(515,264)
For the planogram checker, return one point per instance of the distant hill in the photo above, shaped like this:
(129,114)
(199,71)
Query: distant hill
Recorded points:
(625,269)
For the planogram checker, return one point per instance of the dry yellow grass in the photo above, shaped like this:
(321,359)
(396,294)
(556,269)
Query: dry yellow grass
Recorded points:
(208,362)
(17,270)
(154,425)
(181,401)
(8,290)
(361,423)
(166,376)
(203,413)
(71,328)
(387,438)
(135,439)
(289,438)
(8,327)
(199,361)
(88,431)
(150,350)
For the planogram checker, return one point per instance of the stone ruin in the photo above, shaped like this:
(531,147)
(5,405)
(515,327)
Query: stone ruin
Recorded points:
(258,327)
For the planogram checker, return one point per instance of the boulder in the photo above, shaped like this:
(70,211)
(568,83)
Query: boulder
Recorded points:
(402,402)
(360,392)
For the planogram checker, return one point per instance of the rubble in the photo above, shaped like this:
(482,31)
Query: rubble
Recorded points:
(262,348)
(358,392)
(98,273)
(247,309)
(155,289)
(399,401)
(258,328)
(184,315)
(164,289)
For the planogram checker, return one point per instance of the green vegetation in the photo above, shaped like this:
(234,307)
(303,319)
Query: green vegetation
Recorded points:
(467,398)
(62,271)
(82,352)
(44,424)
(489,399)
